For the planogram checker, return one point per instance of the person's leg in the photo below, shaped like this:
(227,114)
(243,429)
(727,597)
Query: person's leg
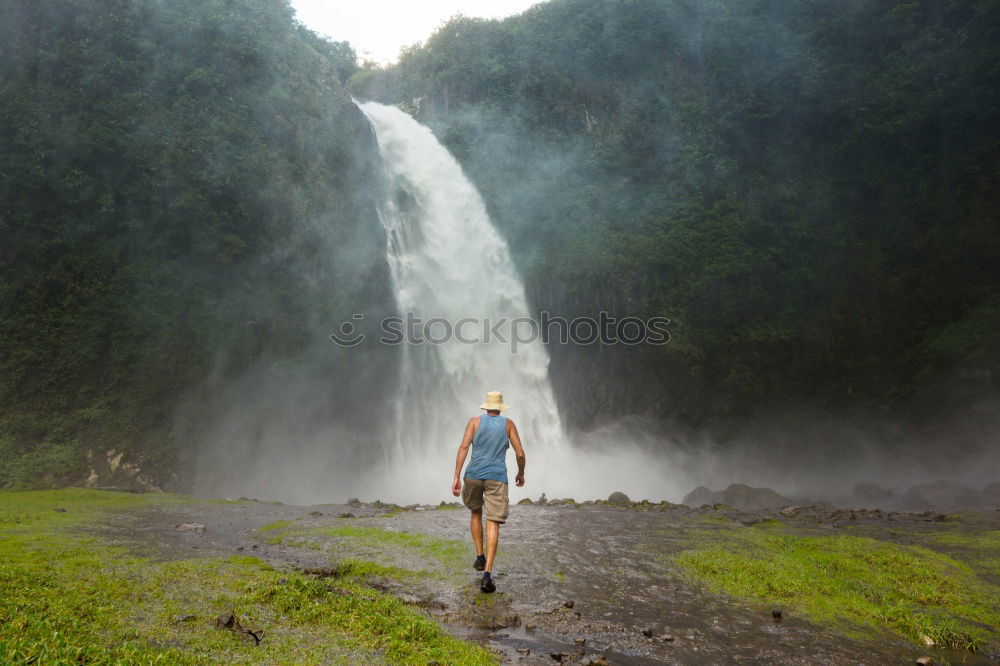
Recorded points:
(492,537)
(476,525)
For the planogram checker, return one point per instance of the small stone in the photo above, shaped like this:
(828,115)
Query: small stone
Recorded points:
(187,617)
(255,546)
(315,513)
(239,547)
(576,614)
(647,632)
(569,603)
(580,640)
(190,527)
(60,509)
(598,661)
(776,614)
(524,649)
(345,514)
(558,656)
(529,627)
(618,497)
(925,660)
(226,621)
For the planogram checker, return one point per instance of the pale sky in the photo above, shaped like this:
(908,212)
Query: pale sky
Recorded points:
(378,29)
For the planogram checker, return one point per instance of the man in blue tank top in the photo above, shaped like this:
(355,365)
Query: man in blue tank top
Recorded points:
(486,478)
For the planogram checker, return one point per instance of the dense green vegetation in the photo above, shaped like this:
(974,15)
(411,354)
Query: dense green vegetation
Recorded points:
(67,599)
(181,205)
(808,190)
(845,580)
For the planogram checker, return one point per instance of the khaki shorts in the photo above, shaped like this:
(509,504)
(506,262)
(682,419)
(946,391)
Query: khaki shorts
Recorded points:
(476,492)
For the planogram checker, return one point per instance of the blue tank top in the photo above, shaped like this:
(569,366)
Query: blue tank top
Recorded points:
(489,449)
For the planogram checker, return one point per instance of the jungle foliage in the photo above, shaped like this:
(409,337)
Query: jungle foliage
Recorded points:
(179,201)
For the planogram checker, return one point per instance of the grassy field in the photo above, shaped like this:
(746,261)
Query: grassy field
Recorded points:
(852,582)
(68,598)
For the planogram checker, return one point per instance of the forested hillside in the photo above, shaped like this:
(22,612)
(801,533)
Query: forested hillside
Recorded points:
(184,202)
(808,190)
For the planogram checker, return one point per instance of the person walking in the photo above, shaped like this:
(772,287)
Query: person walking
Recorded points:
(485,481)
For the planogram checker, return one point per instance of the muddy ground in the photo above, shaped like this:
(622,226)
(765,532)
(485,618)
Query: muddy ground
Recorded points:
(577,583)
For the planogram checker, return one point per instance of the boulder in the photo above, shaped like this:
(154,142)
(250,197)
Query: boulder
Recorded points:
(526,500)
(701,496)
(870,495)
(749,498)
(618,497)
(942,495)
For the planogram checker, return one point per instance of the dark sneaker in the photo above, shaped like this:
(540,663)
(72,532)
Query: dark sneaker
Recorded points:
(488,586)
(480,563)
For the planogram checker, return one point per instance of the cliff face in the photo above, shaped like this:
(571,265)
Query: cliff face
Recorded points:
(804,190)
(188,202)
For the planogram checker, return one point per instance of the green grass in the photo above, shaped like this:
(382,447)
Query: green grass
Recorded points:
(277,525)
(66,598)
(850,581)
(448,552)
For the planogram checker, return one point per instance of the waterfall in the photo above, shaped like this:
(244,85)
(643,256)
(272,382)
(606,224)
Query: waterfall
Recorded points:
(449,265)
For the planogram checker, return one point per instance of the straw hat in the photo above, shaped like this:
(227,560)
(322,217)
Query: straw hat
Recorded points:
(494,400)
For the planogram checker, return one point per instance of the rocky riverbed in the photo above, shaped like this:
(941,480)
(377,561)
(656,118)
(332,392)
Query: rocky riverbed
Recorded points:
(583,583)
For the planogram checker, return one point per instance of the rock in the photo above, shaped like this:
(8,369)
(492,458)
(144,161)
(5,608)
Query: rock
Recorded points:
(667,638)
(569,603)
(700,496)
(598,661)
(776,614)
(618,497)
(580,640)
(542,500)
(529,627)
(227,621)
(749,498)
(526,500)
(320,572)
(647,632)
(315,513)
(942,495)
(927,640)
(354,501)
(870,495)
(524,649)
(187,617)
(558,656)
(190,527)
(60,509)
(925,660)
(345,514)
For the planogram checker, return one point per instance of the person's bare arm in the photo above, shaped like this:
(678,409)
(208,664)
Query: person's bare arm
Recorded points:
(515,441)
(463,451)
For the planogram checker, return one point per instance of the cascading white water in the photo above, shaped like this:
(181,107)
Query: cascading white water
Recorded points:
(448,262)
